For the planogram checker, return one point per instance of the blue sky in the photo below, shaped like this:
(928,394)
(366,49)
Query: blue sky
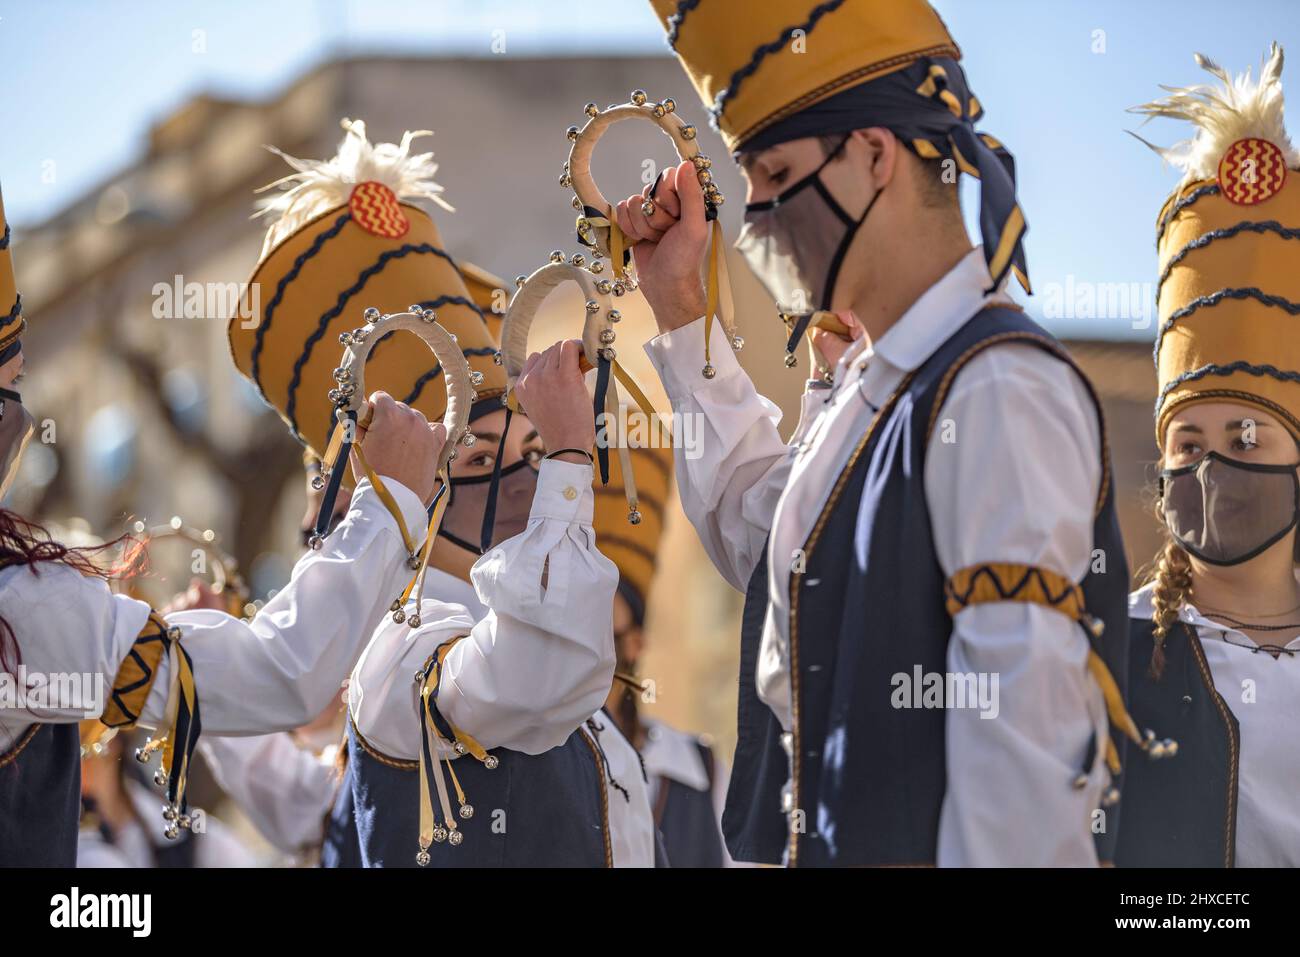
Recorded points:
(84,81)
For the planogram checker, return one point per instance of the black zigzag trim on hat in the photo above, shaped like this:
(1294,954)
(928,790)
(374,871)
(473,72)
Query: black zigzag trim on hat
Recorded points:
(259,339)
(4,243)
(748,70)
(344,297)
(430,304)
(1210,189)
(14,313)
(1213,369)
(1200,242)
(675,21)
(1213,299)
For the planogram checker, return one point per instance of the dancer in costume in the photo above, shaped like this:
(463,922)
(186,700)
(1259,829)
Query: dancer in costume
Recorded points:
(1216,629)
(489,755)
(61,626)
(946,507)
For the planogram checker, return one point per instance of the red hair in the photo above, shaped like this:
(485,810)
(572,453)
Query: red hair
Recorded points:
(29,544)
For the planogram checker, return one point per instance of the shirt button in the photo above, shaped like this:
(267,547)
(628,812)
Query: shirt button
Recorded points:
(570,492)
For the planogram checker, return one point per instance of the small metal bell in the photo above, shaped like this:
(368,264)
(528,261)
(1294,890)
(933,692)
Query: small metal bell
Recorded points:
(314,541)
(578,259)
(490,762)
(1080,781)
(634,516)
(639,97)
(171,832)
(648,207)
(607,336)
(345,338)
(557,256)
(591,109)
(458,748)
(566,180)
(709,372)
(659,110)
(1110,797)
(468,439)
(422,858)
(688,132)
(576,203)
(455,838)
(185,822)
(520,280)
(598,267)
(669,104)
(737,343)
(169,813)
(496,359)
(412,562)
(429,315)
(142,755)
(439,834)
(159,778)
(604,286)
(414,621)
(593,306)
(609,353)
(371,314)
(466,811)
(615,315)
(572,134)
(318,482)
(791,360)
(475,378)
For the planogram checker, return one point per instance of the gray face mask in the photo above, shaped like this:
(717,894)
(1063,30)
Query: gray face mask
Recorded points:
(16,429)
(1225,512)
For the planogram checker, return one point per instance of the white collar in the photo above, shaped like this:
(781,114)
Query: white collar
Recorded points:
(673,754)
(1140,606)
(939,312)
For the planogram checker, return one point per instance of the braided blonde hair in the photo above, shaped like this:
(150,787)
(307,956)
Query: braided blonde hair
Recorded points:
(1171,573)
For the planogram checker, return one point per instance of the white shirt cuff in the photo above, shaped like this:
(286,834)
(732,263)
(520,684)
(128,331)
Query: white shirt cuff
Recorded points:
(564,492)
(678,356)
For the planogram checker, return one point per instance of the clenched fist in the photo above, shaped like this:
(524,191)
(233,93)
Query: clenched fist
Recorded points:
(552,391)
(401,444)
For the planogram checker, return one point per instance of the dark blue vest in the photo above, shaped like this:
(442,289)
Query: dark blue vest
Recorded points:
(1180,812)
(40,798)
(341,846)
(868,777)
(687,820)
(532,810)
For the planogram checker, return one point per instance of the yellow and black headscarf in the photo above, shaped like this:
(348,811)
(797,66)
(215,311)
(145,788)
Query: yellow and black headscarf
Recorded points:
(787,70)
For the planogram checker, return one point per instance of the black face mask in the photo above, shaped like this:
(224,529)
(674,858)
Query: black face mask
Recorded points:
(1226,512)
(466,517)
(796,242)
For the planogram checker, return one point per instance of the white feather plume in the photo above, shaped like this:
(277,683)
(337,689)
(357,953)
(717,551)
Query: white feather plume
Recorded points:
(321,185)
(1234,110)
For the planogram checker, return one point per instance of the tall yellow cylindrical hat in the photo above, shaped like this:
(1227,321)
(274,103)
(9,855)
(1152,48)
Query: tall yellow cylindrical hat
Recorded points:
(1229,250)
(12,322)
(346,236)
(757,63)
(634,548)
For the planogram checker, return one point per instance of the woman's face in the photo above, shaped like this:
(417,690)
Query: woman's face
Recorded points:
(522,442)
(1235,431)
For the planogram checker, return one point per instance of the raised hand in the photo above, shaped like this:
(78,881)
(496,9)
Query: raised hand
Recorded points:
(399,443)
(552,391)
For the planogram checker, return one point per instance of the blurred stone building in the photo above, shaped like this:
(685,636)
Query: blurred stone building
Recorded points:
(152,420)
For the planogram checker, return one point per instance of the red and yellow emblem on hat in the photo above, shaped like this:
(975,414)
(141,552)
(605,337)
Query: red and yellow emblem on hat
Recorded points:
(1251,171)
(375,209)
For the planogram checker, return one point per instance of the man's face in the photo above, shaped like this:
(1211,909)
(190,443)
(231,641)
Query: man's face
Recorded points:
(768,172)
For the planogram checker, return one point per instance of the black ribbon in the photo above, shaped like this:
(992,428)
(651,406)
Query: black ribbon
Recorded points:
(598,406)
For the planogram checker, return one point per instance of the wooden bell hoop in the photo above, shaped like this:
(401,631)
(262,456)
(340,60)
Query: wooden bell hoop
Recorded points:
(598,336)
(601,232)
(349,398)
